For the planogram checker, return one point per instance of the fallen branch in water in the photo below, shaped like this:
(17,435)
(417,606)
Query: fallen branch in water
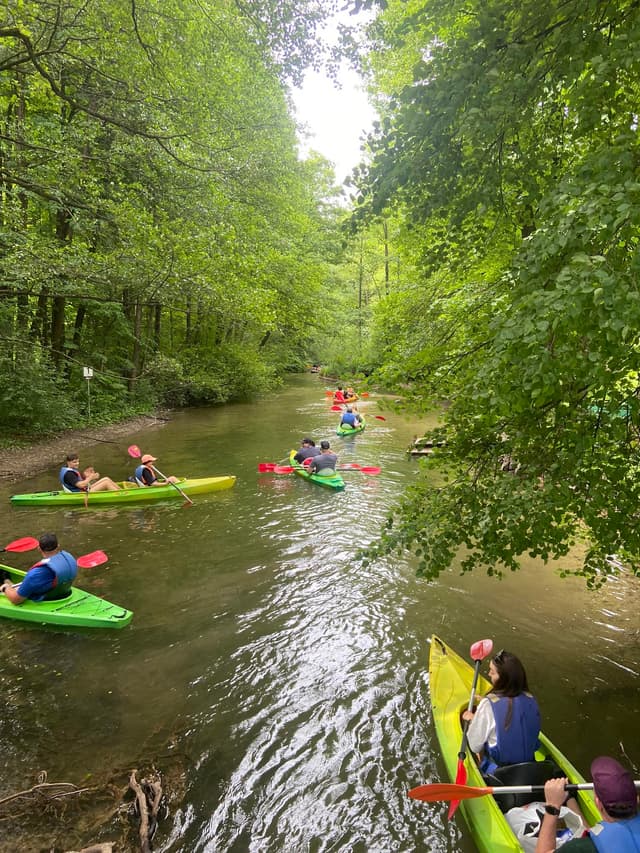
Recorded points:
(148,794)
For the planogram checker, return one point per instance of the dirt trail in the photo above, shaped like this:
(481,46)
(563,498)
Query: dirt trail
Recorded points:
(18,463)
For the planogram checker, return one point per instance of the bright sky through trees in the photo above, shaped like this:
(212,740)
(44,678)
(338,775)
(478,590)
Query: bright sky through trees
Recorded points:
(335,119)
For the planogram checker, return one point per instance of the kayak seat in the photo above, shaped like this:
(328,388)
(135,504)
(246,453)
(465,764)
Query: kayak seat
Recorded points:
(527,773)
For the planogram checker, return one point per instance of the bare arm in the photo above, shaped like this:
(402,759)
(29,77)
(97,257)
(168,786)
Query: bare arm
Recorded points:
(12,593)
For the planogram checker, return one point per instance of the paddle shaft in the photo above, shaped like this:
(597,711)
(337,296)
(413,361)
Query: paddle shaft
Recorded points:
(444,791)
(175,485)
(463,746)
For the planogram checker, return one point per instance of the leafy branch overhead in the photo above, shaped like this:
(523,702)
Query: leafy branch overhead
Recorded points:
(508,149)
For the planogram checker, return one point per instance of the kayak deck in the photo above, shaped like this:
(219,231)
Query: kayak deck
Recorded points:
(450,679)
(128,493)
(334,482)
(80,609)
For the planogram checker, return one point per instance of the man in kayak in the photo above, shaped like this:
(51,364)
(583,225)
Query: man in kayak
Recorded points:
(89,481)
(338,396)
(617,801)
(350,418)
(307,450)
(49,579)
(325,463)
(146,474)
(506,725)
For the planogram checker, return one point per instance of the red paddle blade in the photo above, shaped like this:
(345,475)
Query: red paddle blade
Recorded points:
(329,393)
(445,791)
(134,451)
(481,649)
(379,417)
(461,779)
(283,469)
(265,467)
(89,561)
(27,543)
(336,408)
(364,394)
(370,469)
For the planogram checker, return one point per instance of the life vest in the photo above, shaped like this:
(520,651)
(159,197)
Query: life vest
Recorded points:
(622,836)
(338,397)
(519,742)
(140,480)
(349,419)
(64,470)
(65,569)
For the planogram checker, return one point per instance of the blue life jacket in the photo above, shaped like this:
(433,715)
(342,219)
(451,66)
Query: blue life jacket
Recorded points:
(140,478)
(349,419)
(519,742)
(66,486)
(65,569)
(622,836)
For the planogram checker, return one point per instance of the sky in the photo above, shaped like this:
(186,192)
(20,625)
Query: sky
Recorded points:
(334,118)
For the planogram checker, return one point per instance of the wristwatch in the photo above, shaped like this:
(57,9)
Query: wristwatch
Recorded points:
(552,810)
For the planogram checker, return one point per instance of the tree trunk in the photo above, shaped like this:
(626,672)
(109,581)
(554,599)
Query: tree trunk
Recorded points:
(57,330)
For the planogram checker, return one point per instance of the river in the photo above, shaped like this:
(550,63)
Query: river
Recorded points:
(288,684)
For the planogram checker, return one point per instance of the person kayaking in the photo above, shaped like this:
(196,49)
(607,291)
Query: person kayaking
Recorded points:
(505,727)
(49,579)
(89,481)
(617,801)
(350,418)
(146,475)
(325,463)
(338,396)
(307,450)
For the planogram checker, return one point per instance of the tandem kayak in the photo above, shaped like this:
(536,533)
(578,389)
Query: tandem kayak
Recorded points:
(344,429)
(333,482)
(128,493)
(450,680)
(80,609)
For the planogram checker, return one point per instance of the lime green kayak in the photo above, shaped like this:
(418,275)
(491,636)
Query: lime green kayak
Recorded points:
(80,609)
(128,493)
(344,429)
(334,482)
(450,680)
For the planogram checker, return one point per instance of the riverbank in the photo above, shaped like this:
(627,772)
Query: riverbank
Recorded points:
(18,463)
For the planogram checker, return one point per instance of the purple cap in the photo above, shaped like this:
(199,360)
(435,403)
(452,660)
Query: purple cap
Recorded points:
(614,787)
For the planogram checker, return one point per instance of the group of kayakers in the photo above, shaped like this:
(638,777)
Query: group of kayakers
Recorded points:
(346,395)
(52,576)
(504,730)
(72,480)
(317,460)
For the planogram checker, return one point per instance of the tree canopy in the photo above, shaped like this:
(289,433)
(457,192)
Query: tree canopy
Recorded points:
(508,149)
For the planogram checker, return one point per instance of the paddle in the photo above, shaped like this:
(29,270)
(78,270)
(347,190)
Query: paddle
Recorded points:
(363,469)
(27,543)
(444,791)
(134,451)
(379,417)
(478,652)
(90,561)
(336,408)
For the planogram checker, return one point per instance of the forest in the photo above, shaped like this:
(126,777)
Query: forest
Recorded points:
(158,225)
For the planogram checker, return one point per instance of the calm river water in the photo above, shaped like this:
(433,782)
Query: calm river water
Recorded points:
(288,684)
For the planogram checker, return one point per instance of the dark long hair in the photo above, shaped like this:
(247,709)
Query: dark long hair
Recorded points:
(512,679)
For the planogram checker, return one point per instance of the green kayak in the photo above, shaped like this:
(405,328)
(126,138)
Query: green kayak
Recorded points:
(128,493)
(344,429)
(450,680)
(334,482)
(80,609)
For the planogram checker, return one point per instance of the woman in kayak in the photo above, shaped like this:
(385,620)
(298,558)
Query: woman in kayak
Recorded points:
(505,727)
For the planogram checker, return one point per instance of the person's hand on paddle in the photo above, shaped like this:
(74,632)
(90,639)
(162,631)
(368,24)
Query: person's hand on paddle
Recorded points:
(90,474)
(468,715)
